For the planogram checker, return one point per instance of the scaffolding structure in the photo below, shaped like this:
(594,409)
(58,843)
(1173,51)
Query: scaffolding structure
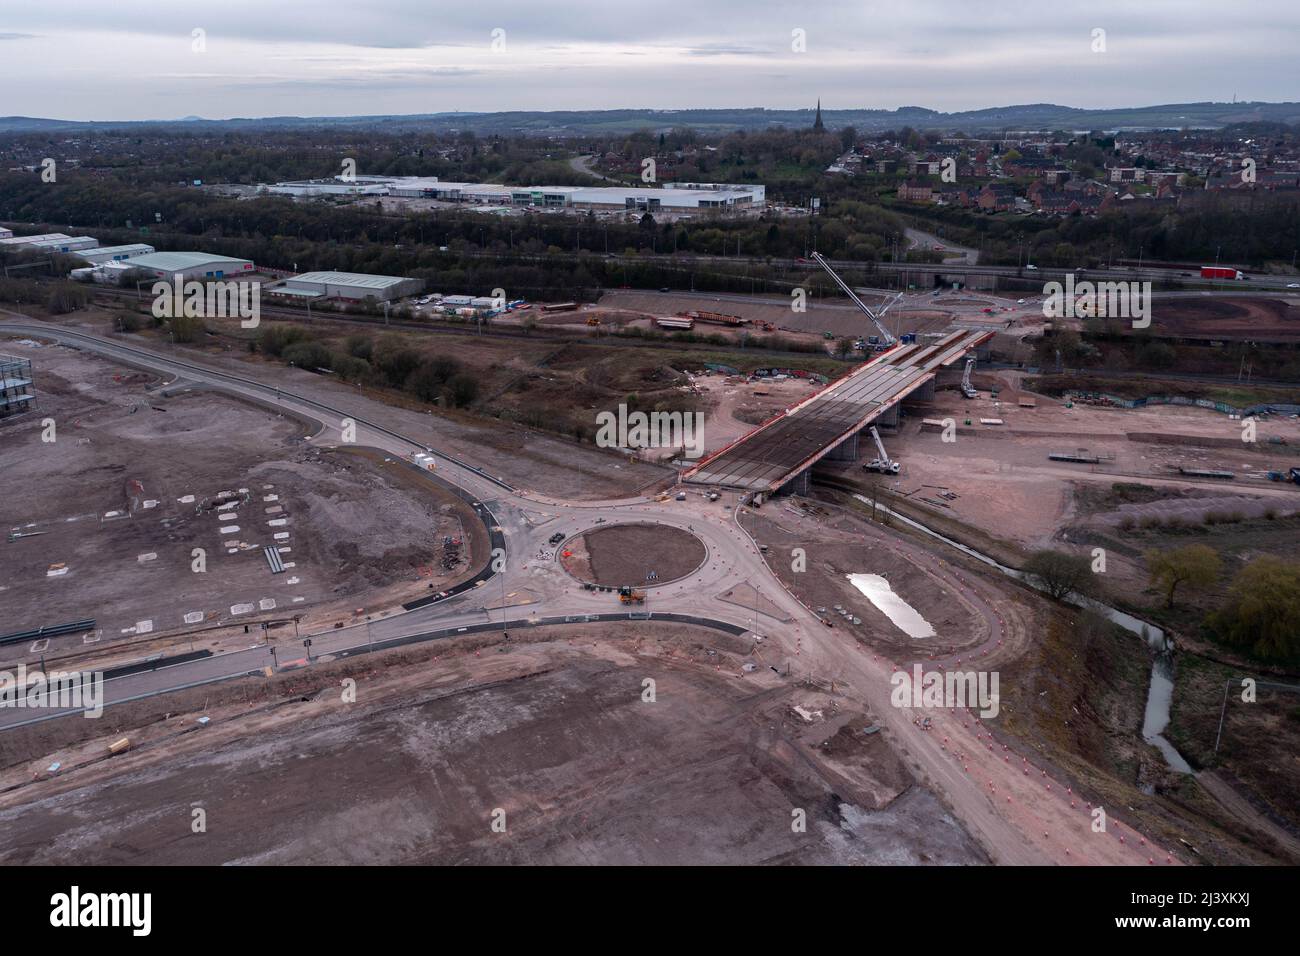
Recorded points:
(16,393)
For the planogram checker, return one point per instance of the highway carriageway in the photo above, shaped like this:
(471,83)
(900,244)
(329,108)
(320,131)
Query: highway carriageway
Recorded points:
(182,671)
(774,453)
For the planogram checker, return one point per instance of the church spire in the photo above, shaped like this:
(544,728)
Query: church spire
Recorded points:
(818,125)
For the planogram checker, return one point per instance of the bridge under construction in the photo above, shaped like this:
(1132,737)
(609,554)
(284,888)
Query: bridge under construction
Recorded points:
(781,452)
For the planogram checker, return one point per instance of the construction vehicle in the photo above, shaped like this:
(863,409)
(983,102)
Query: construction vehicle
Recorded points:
(593,321)
(967,389)
(630,595)
(1293,476)
(882,463)
(887,338)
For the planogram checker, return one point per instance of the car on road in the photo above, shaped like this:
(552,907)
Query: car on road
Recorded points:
(1293,285)
(665,289)
(1031,268)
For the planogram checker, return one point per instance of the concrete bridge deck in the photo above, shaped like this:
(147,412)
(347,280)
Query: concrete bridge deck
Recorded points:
(776,452)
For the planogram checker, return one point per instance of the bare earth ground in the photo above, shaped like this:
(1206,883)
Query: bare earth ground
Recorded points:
(554,739)
(736,405)
(837,544)
(837,317)
(109,494)
(1071,692)
(630,553)
(1231,318)
(527,459)
(1008,487)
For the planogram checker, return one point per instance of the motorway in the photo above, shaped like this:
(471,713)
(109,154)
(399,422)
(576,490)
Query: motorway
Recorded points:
(851,268)
(1037,824)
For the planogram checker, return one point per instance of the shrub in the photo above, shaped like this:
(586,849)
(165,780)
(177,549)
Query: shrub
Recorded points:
(308,355)
(274,339)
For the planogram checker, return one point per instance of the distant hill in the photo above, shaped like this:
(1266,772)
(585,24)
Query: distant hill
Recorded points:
(1037,116)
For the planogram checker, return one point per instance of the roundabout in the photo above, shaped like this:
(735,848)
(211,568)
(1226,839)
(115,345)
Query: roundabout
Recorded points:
(633,553)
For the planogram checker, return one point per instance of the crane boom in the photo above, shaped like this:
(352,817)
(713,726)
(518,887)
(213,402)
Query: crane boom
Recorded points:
(882,462)
(967,389)
(885,335)
(880,445)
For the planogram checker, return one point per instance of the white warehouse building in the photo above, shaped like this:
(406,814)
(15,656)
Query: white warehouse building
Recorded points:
(348,285)
(12,241)
(65,244)
(188,265)
(682,198)
(115,253)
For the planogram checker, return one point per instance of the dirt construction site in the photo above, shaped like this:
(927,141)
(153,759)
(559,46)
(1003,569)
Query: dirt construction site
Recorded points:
(540,752)
(993,469)
(712,723)
(151,511)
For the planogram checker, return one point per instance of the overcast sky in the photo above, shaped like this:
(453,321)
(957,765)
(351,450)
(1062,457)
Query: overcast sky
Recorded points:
(138,59)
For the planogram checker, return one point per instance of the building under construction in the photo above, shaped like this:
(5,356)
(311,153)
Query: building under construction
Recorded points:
(16,393)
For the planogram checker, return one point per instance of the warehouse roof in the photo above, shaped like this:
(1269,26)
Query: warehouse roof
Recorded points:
(349,278)
(21,240)
(114,250)
(177,261)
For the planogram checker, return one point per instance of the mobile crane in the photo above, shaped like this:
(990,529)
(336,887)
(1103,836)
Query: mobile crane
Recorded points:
(967,389)
(882,462)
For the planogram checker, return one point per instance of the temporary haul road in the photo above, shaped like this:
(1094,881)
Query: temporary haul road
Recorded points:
(774,453)
(1019,817)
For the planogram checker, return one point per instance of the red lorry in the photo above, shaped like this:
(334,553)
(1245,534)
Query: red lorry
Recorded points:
(1220,272)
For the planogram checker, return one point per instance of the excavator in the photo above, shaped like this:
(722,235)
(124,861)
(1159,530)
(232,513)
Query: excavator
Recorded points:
(882,463)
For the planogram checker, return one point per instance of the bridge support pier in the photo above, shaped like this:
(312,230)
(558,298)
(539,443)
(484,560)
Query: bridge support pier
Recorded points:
(798,485)
(846,450)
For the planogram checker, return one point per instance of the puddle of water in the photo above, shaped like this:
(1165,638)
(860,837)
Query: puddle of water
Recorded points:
(905,617)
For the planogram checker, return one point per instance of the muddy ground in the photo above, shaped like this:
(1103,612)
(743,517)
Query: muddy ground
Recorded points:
(132,485)
(554,741)
(835,544)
